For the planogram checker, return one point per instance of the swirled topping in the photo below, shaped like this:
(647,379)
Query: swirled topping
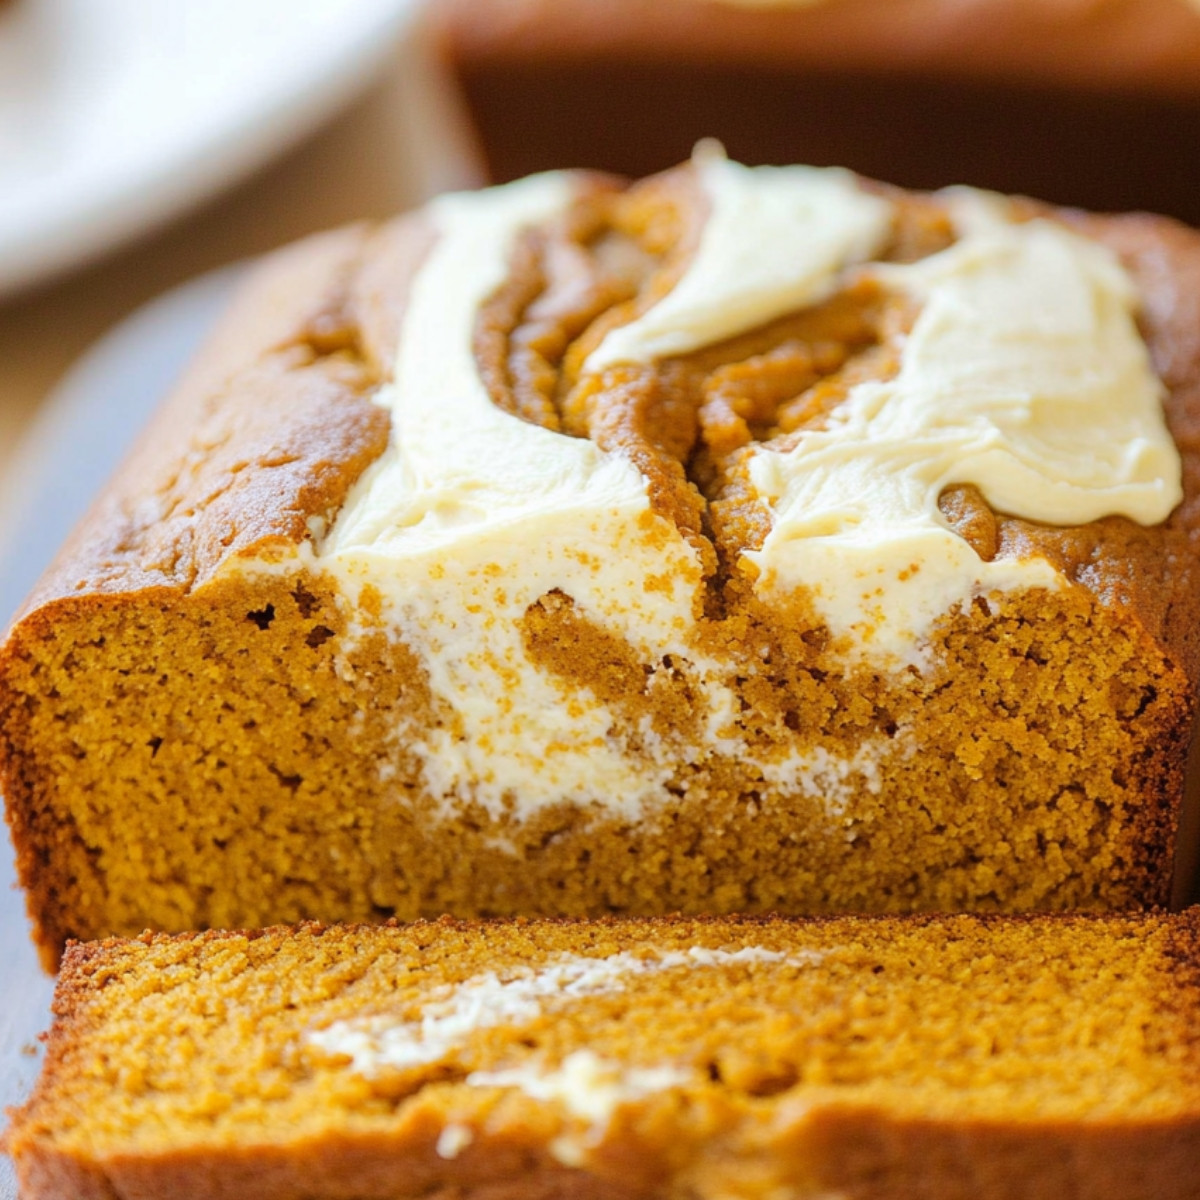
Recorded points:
(473,514)
(750,266)
(631,413)
(1025,376)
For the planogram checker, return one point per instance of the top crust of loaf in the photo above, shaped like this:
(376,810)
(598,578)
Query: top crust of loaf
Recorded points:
(269,427)
(273,423)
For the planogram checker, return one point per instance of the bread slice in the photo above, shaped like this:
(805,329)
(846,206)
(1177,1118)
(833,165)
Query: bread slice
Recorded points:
(957,1057)
(580,547)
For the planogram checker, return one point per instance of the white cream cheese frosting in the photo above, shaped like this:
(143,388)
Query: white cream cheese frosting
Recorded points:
(1024,375)
(471,515)
(776,240)
(584,1084)
(453,1140)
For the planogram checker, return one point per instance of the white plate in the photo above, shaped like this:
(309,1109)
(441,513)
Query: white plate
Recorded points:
(80,436)
(115,114)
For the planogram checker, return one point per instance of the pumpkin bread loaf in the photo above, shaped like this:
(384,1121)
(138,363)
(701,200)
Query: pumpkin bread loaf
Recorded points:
(740,539)
(968,1058)
(1085,102)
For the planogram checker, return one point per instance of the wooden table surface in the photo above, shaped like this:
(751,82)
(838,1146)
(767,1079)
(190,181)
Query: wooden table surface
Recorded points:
(383,154)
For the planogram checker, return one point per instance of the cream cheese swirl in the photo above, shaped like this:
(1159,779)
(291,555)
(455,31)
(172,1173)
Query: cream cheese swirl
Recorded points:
(1024,375)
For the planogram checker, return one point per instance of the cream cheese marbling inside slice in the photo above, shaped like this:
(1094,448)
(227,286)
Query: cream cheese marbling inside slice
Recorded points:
(1025,375)
(471,515)
(584,1084)
(587,1087)
(776,239)
(451,1016)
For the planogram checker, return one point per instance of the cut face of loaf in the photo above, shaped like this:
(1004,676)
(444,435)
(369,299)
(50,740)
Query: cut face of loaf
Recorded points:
(741,539)
(991,1058)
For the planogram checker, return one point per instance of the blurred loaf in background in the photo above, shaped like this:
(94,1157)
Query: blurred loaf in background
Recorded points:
(1093,103)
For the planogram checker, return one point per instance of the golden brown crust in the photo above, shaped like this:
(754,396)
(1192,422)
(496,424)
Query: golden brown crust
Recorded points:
(994,1058)
(1150,46)
(269,427)
(273,423)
